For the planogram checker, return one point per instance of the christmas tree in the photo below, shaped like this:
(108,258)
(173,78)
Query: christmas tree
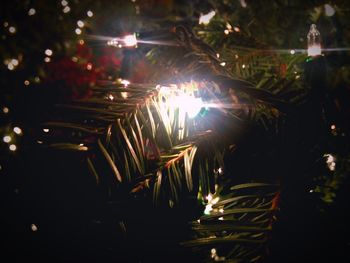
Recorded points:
(169,131)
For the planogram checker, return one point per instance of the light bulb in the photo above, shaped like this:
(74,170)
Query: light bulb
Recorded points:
(329,10)
(130,40)
(313,42)
(205,19)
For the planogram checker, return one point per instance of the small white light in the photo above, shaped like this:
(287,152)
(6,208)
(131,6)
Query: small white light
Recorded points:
(243,3)
(111,97)
(313,42)
(130,40)
(66,9)
(10,66)
(5,110)
(226,31)
(236,29)
(37,79)
(80,23)
(12,29)
(31,12)
(17,130)
(7,139)
(14,62)
(243,66)
(125,82)
(217,55)
(89,66)
(223,64)
(205,19)
(64,3)
(26,82)
(47,59)
(46,130)
(78,31)
(89,13)
(333,127)
(292,51)
(221,218)
(13,147)
(33,227)
(329,10)
(221,210)
(48,52)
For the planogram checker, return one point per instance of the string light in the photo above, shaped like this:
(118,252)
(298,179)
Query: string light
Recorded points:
(330,161)
(47,59)
(205,19)
(292,51)
(7,139)
(31,12)
(226,31)
(236,29)
(111,97)
(243,3)
(89,13)
(48,52)
(17,130)
(66,9)
(33,227)
(329,10)
(89,66)
(13,147)
(64,3)
(130,40)
(80,23)
(5,110)
(6,24)
(223,64)
(333,127)
(26,82)
(78,31)
(12,29)
(313,42)
(46,130)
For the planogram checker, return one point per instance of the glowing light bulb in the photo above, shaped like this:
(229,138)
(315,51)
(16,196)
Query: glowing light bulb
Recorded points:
(46,130)
(243,3)
(7,139)
(205,19)
(5,110)
(313,42)
(329,10)
(226,31)
(33,227)
(48,52)
(31,12)
(26,82)
(292,52)
(64,3)
(66,9)
(130,40)
(89,66)
(80,23)
(89,13)
(47,59)
(17,130)
(13,147)
(78,31)
(12,29)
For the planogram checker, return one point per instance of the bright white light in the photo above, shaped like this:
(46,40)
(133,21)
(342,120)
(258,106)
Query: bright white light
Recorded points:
(89,13)
(13,147)
(14,62)
(64,3)
(12,29)
(329,10)
(10,66)
(31,12)
(314,50)
(66,9)
(33,227)
(330,161)
(205,19)
(78,31)
(333,127)
(191,105)
(223,64)
(111,97)
(292,51)
(130,40)
(6,139)
(46,130)
(80,23)
(17,130)
(125,82)
(47,59)
(5,110)
(226,31)
(48,52)
(89,66)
